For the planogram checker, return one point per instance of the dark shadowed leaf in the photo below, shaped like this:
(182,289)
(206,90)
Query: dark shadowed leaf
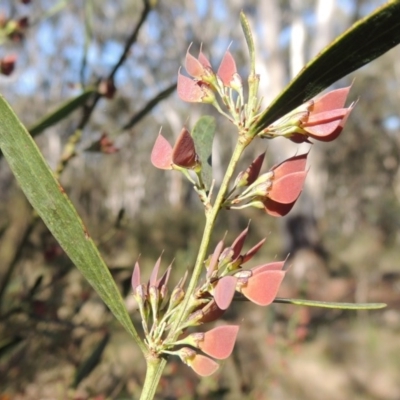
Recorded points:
(60,113)
(203,136)
(92,361)
(366,40)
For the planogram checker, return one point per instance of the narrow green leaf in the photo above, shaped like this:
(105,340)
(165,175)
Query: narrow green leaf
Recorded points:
(59,6)
(8,344)
(52,204)
(327,304)
(61,112)
(366,40)
(249,40)
(203,136)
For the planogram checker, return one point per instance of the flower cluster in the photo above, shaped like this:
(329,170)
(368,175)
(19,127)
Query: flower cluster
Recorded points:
(225,276)
(275,191)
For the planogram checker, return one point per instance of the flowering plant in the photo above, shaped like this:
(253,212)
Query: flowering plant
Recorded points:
(170,318)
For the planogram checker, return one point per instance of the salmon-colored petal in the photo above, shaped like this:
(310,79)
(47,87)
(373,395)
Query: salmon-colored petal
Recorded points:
(224,291)
(227,69)
(202,365)
(204,60)
(161,155)
(325,116)
(262,288)
(292,164)
(329,132)
(272,266)
(188,89)
(193,66)
(287,189)
(219,342)
(331,100)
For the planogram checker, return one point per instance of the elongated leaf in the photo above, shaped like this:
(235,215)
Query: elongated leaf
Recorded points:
(52,204)
(61,112)
(203,136)
(326,304)
(366,40)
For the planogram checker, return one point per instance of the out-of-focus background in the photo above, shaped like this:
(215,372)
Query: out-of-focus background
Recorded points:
(59,341)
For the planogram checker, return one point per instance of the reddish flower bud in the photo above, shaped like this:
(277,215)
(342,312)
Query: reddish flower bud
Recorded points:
(107,88)
(237,245)
(184,152)
(136,276)
(211,312)
(7,64)
(246,178)
(250,254)
(103,145)
(214,259)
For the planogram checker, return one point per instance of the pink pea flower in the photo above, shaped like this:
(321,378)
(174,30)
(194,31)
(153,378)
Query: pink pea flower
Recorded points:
(327,115)
(217,342)
(261,284)
(278,190)
(183,154)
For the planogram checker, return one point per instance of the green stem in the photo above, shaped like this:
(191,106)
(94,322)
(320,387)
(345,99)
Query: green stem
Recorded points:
(155,367)
(211,217)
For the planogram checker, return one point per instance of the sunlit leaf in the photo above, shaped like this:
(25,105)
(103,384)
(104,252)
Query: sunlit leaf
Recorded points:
(52,204)
(365,41)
